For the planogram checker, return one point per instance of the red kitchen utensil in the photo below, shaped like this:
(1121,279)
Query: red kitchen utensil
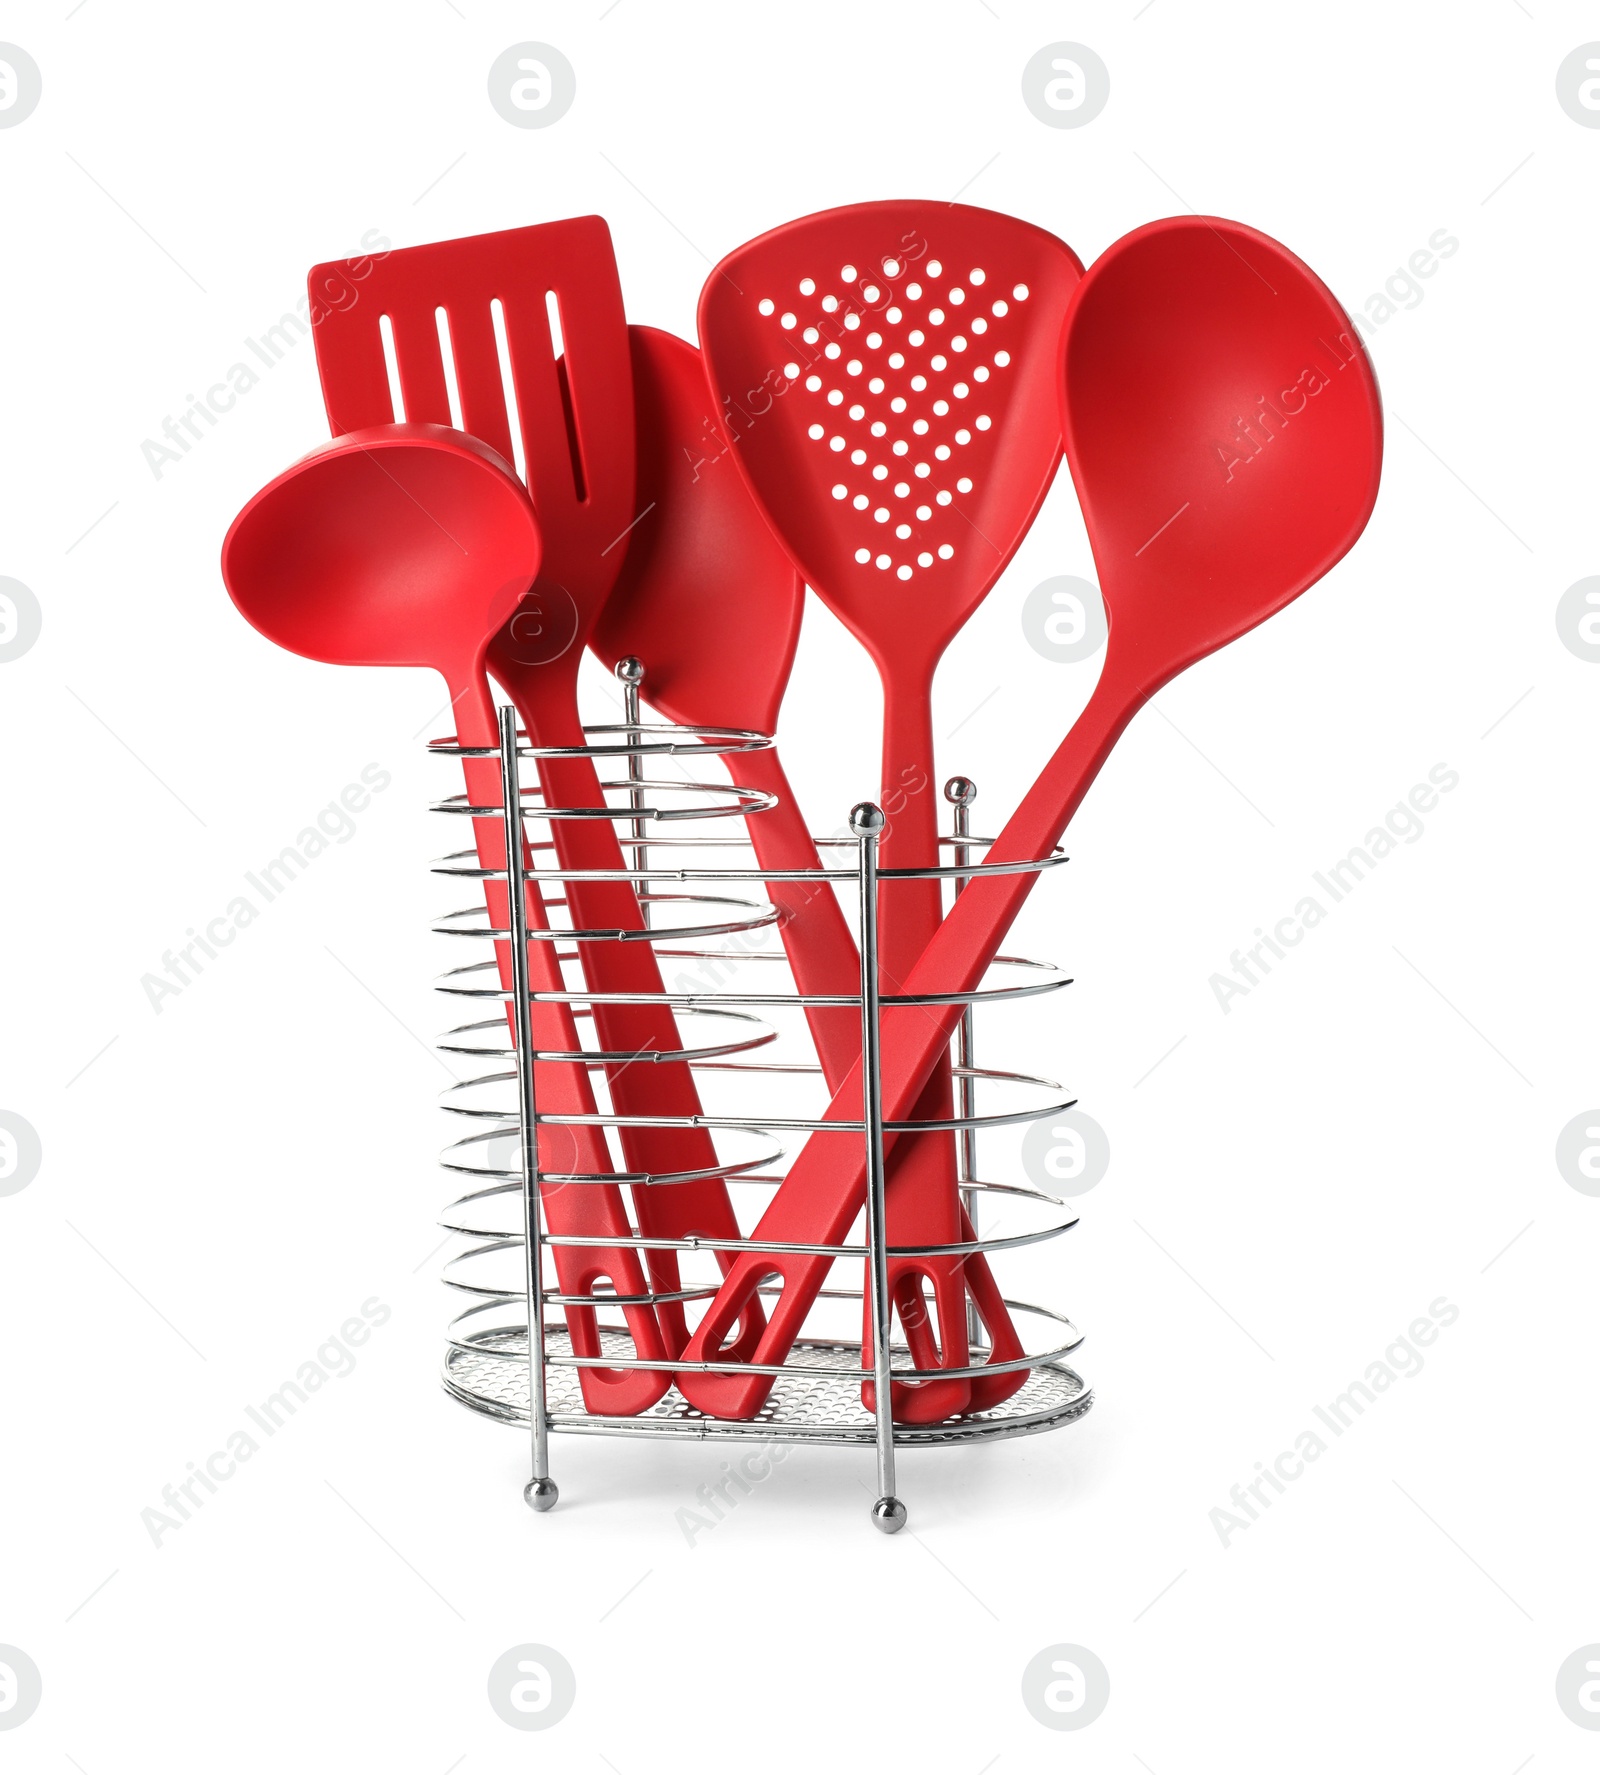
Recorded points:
(527,328)
(710,602)
(410,545)
(892,373)
(1225,435)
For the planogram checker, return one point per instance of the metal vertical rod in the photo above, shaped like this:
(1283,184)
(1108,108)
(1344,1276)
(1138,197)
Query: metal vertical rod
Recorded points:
(961,792)
(867,823)
(541,1491)
(630,672)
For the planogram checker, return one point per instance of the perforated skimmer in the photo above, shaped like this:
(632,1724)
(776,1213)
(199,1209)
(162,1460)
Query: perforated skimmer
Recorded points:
(889,382)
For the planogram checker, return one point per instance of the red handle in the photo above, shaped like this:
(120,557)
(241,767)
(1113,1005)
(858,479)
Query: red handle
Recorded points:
(822,953)
(825,962)
(926,1208)
(641,1087)
(826,1185)
(587,1210)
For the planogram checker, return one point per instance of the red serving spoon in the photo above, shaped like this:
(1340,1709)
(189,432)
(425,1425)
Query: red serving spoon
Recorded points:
(710,602)
(530,324)
(1225,435)
(894,412)
(410,545)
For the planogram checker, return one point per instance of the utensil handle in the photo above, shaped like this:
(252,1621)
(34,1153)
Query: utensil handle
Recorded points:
(816,936)
(590,1210)
(826,1185)
(640,1088)
(825,962)
(926,1207)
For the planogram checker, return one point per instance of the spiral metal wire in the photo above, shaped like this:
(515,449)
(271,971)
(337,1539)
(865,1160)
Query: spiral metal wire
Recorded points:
(686,905)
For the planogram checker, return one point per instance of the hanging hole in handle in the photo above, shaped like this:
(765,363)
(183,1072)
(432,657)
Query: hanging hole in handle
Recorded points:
(915,1310)
(598,1285)
(930,1310)
(736,1335)
(391,365)
(583,1328)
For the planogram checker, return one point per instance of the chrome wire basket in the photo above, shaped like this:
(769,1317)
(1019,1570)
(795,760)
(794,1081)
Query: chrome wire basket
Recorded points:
(508,1357)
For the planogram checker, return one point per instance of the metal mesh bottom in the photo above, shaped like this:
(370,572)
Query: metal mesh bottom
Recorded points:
(812,1403)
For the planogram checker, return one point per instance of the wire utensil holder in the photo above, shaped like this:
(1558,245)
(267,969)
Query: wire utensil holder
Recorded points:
(507,1358)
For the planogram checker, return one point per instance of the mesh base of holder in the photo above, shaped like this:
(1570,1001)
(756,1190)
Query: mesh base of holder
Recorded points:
(813,1402)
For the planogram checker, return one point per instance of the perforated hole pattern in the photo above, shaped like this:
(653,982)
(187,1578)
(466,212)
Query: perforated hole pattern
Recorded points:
(900,372)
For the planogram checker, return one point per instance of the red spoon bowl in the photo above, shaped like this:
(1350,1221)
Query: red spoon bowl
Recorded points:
(428,534)
(705,596)
(1214,493)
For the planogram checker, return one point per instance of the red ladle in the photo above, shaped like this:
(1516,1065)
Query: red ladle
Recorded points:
(891,373)
(712,605)
(411,545)
(1225,435)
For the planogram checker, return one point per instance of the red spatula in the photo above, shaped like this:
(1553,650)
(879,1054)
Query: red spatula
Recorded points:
(1180,331)
(529,324)
(897,362)
(710,602)
(411,545)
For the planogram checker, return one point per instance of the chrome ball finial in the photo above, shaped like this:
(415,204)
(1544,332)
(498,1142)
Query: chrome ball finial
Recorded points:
(889,1516)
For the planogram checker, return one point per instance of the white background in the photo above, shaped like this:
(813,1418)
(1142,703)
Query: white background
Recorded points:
(1290,1187)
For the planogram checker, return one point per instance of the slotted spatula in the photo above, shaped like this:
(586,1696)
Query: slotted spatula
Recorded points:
(1177,331)
(529,324)
(896,366)
(710,602)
